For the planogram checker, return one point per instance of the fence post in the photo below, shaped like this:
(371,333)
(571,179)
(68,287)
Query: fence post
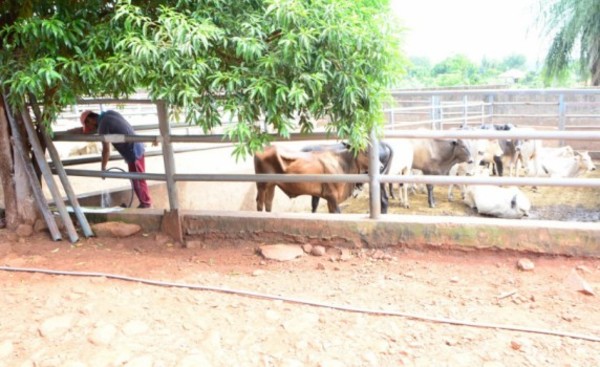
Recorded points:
(374,185)
(490,102)
(465,109)
(561,116)
(169,159)
(435,113)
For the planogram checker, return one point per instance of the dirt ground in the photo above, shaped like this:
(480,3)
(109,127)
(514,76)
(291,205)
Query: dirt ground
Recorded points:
(59,320)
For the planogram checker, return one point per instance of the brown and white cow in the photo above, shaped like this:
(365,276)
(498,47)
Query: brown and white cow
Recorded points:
(437,156)
(386,155)
(279,160)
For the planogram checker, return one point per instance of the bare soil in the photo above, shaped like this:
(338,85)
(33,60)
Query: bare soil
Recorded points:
(59,320)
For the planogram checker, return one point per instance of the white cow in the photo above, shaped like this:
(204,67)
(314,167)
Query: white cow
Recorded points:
(565,163)
(515,151)
(527,152)
(496,201)
(483,151)
(401,165)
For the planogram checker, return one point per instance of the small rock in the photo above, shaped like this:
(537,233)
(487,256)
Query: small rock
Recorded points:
(258,272)
(55,326)
(577,283)
(115,229)
(454,280)
(6,349)
(334,253)
(135,327)
(525,264)
(320,266)
(318,251)
(281,252)
(307,247)
(583,269)
(102,335)
(515,345)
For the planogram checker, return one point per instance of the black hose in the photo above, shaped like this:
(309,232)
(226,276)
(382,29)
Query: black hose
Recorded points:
(132,187)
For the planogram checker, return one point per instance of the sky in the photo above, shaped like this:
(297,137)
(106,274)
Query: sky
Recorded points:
(494,29)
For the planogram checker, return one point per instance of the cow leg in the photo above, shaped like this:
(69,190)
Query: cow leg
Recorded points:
(269,195)
(391,188)
(260,195)
(333,206)
(498,165)
(384,199)
(314,203)
(430,198)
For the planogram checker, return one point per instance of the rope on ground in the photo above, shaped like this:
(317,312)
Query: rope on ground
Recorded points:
(305,302)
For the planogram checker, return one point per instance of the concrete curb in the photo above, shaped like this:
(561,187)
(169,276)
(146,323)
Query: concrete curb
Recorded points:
(357,230)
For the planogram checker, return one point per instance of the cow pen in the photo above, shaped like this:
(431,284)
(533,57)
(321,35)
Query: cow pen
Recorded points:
(579,127)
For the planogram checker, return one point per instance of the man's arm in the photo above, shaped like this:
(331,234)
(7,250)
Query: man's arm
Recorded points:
(105,154)
(76,130)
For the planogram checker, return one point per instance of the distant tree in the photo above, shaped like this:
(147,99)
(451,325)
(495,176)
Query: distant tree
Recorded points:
(287,61)
(575,25)
(456,70)
(514,61)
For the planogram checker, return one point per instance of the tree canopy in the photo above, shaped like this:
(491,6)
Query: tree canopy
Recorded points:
(288,62)
(575,25)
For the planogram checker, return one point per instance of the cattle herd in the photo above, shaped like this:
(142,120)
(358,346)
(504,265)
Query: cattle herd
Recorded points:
(473,157)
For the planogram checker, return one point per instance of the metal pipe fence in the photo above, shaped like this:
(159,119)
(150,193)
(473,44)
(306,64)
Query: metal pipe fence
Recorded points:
(171,177)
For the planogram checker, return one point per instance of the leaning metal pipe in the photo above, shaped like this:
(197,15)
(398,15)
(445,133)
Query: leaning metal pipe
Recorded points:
(59,169)
(39,156)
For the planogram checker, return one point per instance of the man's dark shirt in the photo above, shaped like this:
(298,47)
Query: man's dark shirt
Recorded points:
(112,122)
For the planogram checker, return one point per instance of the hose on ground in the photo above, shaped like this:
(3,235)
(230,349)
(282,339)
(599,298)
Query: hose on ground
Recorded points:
(306,302)
(131,181)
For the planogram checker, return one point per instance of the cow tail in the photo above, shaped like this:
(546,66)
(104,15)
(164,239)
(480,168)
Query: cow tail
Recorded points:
(388,164)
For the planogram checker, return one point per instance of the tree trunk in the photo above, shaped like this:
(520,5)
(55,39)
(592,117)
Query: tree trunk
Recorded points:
(19,201)
(7,171)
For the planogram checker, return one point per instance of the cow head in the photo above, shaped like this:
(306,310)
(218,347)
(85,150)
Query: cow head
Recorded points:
(520,204)
(362,160)
(584,161)
(462,153)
